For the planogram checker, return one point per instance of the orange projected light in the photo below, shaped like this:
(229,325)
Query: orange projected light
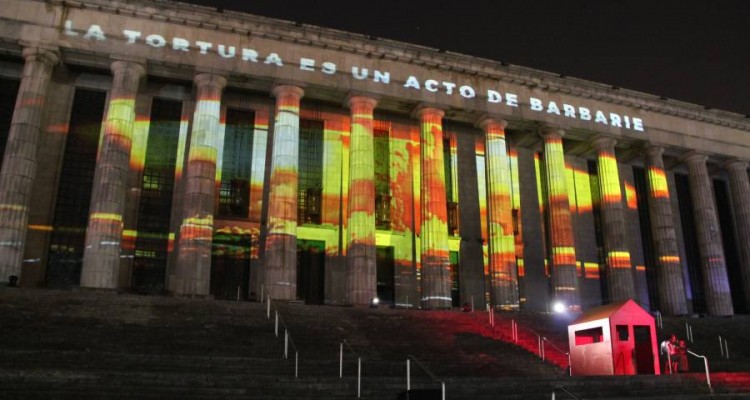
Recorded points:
(106,217)
(416,170)
(282,213)
(609,179)
(139,143)
(401,148)
(181,144)
(501,241)
(516,204)
(619,259)
(128,239)
(196,228)
(58,129)
(539,191)
(658,182)
(669,259)
(361,174)
(563,256)
(337,144)
(582,187)
(631,197)
(258,169)
(482,191)
(591,270)
(434,226)
(562,247)
(30,102)
(44,228)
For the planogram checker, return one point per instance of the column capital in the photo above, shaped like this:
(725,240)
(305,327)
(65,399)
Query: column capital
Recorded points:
(119,66)
(485,122)
(652,150)
(603,143)
(423,110)
(356,99)
(551,133)
(204,79)
(49,56)
(694,157)
(735,164)
(289,90)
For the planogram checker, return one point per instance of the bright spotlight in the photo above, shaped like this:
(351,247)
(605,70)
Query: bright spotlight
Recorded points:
(559,307)
(374,302)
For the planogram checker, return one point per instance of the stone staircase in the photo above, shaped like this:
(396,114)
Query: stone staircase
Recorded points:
(86,345)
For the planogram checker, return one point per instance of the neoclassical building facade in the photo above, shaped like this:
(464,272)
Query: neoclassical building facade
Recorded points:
(159,147)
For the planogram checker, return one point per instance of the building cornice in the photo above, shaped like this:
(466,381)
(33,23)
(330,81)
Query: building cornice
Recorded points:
(378,48)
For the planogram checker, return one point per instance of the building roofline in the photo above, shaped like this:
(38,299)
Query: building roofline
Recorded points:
(242,23)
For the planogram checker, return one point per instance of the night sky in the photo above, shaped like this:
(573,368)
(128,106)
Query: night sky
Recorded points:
(694,51)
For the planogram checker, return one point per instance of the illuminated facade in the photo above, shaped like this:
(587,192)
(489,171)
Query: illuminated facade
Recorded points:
(159,147)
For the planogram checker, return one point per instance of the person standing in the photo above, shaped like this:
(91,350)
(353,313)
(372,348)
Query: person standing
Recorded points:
(668,352)
(682,357)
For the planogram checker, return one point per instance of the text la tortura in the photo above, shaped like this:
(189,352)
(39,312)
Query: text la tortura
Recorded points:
(95,32)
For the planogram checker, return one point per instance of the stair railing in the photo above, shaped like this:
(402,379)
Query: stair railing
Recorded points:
(410,358)
(705,364)
(723,347)
(559,350)
(541,340)
(565,390)
(359,364)
(287,336)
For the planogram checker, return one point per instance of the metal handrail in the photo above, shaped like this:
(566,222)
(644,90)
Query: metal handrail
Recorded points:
(540,342)
(723,347)
(287,336)
(705,364)
(359,365)
(426,370)
(561,351)
(564,390)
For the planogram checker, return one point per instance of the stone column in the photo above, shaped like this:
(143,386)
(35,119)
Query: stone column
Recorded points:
(192,272)
(739,186)
(20,161)
(281,241)
(101,257)
(713,264)
(562,241)
(502,254)
(361,274)
(619,272)
(436,278)
(672,298)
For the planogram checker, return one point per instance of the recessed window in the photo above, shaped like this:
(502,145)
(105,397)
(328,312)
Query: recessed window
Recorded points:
(622,333)
(589,336)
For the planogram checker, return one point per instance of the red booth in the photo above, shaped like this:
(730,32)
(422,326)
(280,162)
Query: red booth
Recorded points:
(616,339)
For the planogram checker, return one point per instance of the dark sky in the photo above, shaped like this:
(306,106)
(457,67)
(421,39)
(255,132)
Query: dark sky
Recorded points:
(690,50)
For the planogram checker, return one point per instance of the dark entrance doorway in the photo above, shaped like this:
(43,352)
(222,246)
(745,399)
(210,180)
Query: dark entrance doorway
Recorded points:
(384,275)
(644,358)
(311,271)
(230,266)
(455,286)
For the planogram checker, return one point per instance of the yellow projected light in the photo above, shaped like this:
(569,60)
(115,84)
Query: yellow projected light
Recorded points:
(658,182)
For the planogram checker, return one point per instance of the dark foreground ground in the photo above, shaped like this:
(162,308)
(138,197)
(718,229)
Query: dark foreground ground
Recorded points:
(90,345)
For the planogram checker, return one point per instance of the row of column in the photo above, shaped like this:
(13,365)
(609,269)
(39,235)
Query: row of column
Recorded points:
(191,273)
(361,272)
(618,266)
